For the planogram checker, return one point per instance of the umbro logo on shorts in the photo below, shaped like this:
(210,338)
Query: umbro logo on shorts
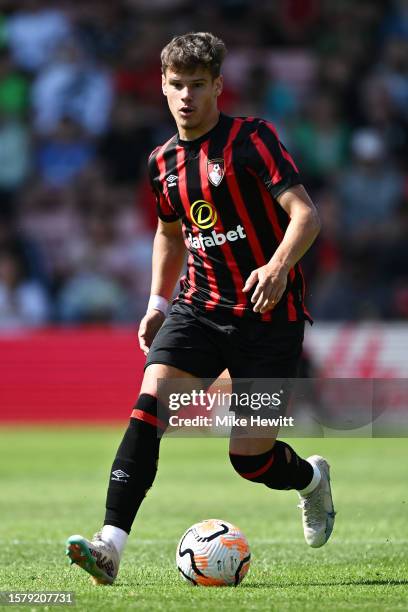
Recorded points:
(119,476)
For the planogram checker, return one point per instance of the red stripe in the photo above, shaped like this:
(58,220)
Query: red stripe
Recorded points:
(162,172)
(148,418)
(239,203)
(237,197)
(190,274)
(212,281)
(267,157)
(232,264)
(163,147)
(182,187)
(284,153)
(288,158)
(262,470)
(269,205)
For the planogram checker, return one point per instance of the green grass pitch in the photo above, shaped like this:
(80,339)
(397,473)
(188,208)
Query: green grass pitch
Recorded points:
(53,485)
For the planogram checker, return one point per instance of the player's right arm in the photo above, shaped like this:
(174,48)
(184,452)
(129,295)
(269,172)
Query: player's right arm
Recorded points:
(167,261)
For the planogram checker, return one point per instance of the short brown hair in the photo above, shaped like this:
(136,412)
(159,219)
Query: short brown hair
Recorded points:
(197,49)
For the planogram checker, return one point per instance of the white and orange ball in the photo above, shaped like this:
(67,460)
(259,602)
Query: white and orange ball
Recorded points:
(213,553)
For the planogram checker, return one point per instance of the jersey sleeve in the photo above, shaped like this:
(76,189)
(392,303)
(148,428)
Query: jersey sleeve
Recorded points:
(268,158)
(165,210)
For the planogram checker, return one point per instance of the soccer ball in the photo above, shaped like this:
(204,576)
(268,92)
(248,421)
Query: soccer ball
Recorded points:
(213,553)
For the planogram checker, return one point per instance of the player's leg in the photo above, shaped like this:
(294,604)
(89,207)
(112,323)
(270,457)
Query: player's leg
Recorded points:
(181,352)
(263,458)
(132,474)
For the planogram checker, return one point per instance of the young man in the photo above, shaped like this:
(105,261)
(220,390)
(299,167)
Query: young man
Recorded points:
(229,192)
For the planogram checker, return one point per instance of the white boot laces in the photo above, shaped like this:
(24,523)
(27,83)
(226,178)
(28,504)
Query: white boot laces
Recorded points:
(312,507)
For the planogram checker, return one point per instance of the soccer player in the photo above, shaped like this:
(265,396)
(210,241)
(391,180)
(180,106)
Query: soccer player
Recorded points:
(228,191)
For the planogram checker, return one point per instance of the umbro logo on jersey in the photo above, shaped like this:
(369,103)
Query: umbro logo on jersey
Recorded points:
(119,476)
(171,180)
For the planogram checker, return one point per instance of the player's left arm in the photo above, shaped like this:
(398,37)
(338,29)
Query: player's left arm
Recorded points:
(271,279)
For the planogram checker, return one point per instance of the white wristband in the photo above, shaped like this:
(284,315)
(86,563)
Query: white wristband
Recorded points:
(157,302)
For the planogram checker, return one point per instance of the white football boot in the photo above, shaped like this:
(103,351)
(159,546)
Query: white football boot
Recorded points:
(317,507)
(97,557)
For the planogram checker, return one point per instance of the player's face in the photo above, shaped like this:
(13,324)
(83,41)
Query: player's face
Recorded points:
(192,99)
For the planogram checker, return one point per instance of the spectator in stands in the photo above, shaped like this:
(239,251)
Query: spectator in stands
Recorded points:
(394,72)
(63,155)
(382,115)
(34,31)
(369,191)
(321,140)
(23,303)
(117,247)
(13,239)
(72,86)
(124,147)
(14,157)
(396,24)
(103,28)
(88,297)
(89,74)
(50,218)
(14,87)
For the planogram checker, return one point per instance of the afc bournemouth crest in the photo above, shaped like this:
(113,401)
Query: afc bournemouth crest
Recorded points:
(215,171)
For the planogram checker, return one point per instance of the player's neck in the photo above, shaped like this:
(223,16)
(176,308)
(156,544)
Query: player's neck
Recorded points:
(203,128)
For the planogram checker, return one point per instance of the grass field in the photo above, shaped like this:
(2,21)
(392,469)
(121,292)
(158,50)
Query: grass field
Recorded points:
(53,484)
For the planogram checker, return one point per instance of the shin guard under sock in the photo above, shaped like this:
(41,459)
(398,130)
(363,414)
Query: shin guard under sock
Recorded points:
(278,468)
(135,465)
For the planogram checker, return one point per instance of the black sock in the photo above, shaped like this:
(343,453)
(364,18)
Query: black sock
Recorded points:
(135,465)
(278,468)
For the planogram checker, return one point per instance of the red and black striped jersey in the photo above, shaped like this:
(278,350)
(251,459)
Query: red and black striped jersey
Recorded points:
(223,187)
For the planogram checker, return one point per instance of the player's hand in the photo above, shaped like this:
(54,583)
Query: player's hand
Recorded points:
(148,328)
(270,281)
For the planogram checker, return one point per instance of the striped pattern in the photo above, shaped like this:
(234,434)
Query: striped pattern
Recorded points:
(258,169)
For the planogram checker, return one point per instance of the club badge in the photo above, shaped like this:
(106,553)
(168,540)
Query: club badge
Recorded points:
(215,171)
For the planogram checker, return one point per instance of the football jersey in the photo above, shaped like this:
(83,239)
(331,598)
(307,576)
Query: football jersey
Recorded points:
(223,188)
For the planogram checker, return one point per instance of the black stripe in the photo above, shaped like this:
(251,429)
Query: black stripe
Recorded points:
(244,155)
(243,256)
(214,535)
(192,166)
(190,552)
(239,568)
(186,577)
(256,210)
(170,161)
(285,168)
(175,197)
(222,270)
(154,173)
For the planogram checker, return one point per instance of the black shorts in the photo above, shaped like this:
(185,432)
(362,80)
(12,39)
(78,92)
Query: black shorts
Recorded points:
(204,345)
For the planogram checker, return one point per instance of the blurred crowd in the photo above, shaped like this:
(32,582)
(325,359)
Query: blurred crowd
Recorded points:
(81,108)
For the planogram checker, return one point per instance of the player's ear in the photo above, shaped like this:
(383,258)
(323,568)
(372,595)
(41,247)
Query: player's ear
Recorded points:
(164,88)
(219,83)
